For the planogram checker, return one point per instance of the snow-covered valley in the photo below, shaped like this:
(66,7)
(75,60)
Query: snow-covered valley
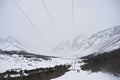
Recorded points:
(14,56)
(28,61)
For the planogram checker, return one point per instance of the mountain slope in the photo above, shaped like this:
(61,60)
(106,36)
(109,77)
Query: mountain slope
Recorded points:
(10,43)
(14,56)
(105,40)
(102,41)
(25,60)
(20,59)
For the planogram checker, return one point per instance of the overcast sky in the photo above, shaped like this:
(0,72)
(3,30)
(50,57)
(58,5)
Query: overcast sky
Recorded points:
(90,16)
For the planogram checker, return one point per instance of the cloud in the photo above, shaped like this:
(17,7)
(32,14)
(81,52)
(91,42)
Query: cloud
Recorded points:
(90,17)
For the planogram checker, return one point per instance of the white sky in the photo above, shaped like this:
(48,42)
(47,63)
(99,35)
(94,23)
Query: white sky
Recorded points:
(90,16)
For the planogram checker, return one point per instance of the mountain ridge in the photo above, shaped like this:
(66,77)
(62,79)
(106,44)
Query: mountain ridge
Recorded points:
(10,43)
(96,43)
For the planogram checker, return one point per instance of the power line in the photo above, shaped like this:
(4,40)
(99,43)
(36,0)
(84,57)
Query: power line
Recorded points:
(73,19)
(44,39)
(51,19)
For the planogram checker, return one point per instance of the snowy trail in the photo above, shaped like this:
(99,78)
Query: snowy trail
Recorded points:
(73,75)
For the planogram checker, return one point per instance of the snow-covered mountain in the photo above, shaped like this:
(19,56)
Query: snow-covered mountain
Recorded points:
(19,59)
(105,40)
(14,56)
(102,41)
(10,43)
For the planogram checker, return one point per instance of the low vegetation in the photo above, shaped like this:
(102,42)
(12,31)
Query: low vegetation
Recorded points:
(35,74)
(107,62)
